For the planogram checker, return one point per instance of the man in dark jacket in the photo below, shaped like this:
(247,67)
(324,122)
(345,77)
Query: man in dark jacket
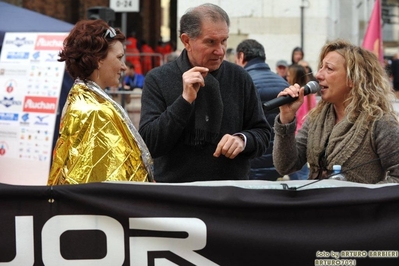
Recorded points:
(201,116)
(251,55)
(395,75)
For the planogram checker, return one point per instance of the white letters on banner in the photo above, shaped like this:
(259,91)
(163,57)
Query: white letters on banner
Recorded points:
(23,241)
(115,239)
(57,225)
(196,240)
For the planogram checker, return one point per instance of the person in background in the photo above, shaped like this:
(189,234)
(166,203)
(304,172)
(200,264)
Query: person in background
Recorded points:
(97,141)
(230,55)
(297,75)
(133,52)
(297,55)
(162,48)
(132,79)
(308,69)
(353,125)
(250,54)
(201,115)
(282,68)
(146,57)
(395,74)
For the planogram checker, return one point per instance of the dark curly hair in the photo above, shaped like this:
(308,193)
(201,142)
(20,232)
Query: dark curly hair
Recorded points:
(86,44)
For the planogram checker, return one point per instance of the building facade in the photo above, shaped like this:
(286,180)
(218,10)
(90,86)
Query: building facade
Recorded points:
(282,25)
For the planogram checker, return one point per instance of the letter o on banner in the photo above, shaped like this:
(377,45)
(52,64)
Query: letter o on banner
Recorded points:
(57,225)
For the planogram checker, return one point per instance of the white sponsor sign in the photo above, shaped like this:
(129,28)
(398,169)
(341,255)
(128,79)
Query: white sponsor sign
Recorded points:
(30,85)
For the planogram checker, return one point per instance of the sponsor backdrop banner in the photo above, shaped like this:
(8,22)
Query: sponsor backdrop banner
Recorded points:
(237,223)
(30,85)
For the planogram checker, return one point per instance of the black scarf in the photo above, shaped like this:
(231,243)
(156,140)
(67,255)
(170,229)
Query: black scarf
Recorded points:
(206,118)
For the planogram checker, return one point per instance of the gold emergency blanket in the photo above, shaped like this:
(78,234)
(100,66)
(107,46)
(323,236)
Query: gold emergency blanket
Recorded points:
(97,141)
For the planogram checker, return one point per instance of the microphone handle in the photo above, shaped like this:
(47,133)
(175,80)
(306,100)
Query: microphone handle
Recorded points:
(279,101)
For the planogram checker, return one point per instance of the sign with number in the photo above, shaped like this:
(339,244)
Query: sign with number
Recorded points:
(125,5)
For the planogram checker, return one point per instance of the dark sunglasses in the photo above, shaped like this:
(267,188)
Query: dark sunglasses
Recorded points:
(110,33)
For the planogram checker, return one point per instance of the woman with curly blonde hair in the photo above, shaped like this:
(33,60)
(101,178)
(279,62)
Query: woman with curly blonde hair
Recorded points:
(353,125)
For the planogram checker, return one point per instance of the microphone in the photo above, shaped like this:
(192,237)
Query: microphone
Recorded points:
(310,87)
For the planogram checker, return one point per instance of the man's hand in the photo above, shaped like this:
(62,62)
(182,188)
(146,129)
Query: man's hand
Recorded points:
(229,146)
(193,80)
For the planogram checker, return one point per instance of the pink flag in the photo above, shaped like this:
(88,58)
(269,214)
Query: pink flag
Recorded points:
(373,39)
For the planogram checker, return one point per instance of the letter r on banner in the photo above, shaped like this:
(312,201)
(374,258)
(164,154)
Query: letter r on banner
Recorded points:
(196,240)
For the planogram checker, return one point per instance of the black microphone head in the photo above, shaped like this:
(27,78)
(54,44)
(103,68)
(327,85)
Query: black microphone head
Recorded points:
(313,86)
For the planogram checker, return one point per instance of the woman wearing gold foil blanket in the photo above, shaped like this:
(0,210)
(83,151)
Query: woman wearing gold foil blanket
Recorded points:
(97,140)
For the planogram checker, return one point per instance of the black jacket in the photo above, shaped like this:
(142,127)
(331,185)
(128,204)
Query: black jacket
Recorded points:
(166,116)
(269,84)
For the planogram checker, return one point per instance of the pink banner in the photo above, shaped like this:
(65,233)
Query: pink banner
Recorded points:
(373,38)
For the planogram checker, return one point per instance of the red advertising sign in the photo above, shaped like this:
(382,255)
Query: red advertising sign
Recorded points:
(49,42)
(40,104)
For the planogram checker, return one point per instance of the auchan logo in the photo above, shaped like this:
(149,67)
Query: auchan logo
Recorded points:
(49,42)
(40,104)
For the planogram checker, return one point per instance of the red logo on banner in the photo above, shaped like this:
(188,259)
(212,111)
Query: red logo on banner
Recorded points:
(3,148)
(40,104)
(49,42)
(10,88)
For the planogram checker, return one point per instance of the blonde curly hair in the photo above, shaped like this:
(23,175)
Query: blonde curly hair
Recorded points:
(371,92)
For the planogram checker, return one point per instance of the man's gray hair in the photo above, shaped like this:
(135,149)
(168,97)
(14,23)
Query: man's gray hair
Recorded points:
(190,22)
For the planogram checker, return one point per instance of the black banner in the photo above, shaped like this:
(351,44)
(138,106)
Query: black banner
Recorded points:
(220,223)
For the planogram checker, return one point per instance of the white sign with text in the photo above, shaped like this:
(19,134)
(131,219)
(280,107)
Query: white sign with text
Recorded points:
(30,85)
(125,5)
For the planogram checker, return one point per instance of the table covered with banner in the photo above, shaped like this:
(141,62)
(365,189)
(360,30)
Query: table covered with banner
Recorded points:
(204,223)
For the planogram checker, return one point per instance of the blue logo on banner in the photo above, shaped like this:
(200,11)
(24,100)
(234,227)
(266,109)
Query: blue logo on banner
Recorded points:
(25,117)
(17,55)
(51,57)
(19,41)
(7,102)
(40,120)
(8,116)
(36,55)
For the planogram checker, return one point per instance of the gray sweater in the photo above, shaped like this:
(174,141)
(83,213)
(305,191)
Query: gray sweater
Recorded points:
(367,155)
(167,119)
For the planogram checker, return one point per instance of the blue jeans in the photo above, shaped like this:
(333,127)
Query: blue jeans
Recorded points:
(302,174)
